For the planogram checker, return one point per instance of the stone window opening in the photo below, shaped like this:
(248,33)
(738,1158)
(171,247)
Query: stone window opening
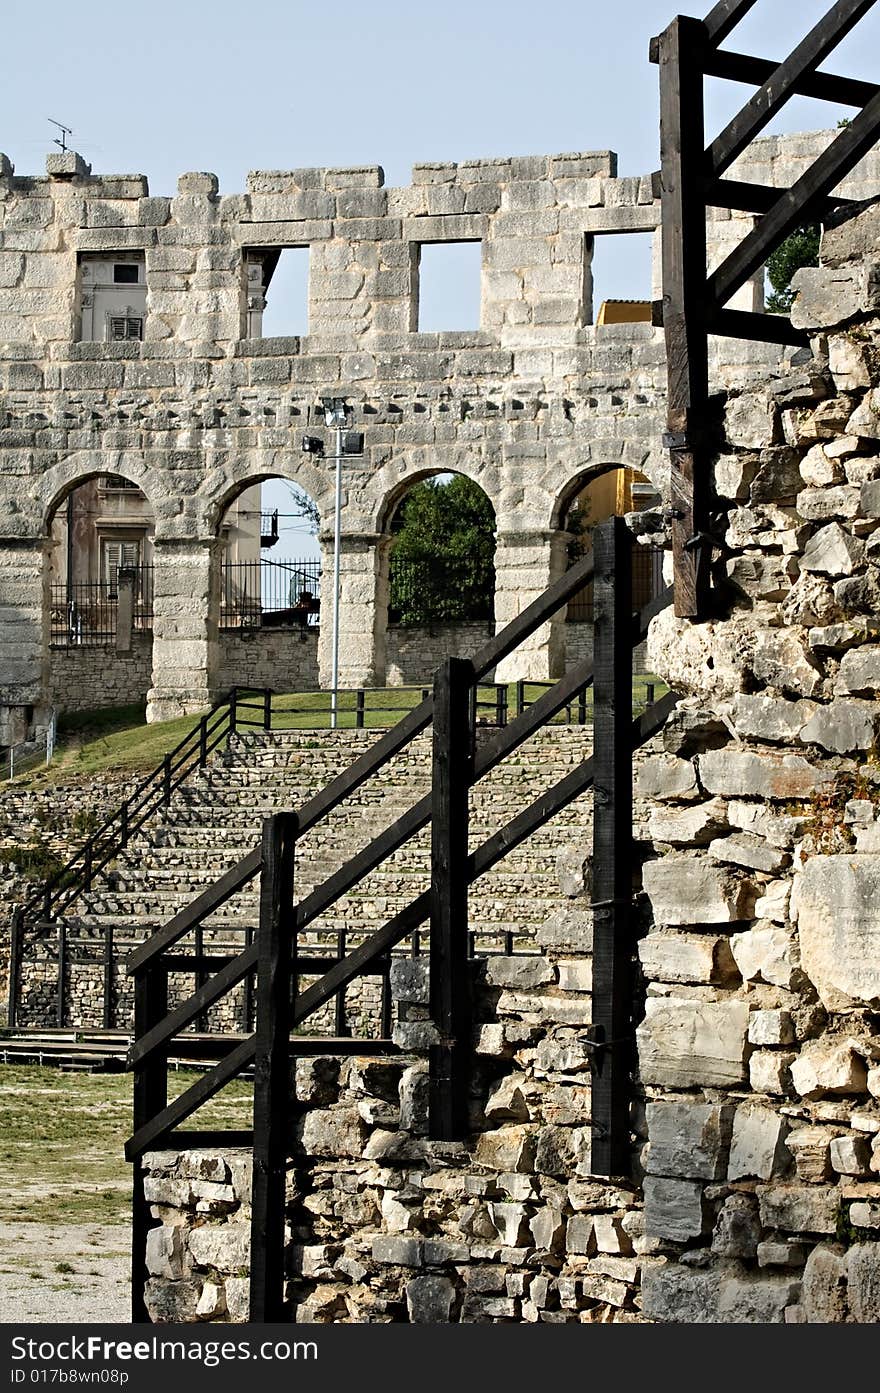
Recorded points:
(277,292)
(112,297)
(447,285)
(619,277)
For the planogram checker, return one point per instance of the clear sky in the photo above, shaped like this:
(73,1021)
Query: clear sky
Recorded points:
(177,85)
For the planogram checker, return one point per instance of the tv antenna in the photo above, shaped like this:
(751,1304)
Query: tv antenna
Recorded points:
(65,132)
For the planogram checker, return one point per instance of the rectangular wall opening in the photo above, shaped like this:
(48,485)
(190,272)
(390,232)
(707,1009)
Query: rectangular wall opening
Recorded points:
(277,292)
(620,270)
(448,287)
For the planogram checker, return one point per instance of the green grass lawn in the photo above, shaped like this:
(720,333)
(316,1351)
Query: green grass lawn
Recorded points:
(62,1138)
(120,741)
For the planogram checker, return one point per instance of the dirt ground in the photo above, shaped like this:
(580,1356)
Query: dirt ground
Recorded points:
(65,1191)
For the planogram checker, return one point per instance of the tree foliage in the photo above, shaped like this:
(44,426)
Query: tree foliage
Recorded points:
(442,562)
(800,248)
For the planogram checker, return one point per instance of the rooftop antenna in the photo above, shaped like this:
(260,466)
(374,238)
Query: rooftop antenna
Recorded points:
(65,132)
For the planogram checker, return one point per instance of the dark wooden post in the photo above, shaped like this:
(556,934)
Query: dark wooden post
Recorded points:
(203,741)
(233,700)
(61,1000)
(683,219)
(272,1068)
(108,975)
(16,936)
(612,848)
(150,1097)
(360,700)
(449,971)
(166,780)
(267,709)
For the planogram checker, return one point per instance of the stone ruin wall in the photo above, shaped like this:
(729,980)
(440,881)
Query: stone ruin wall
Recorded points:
(527,406)
(756,1127)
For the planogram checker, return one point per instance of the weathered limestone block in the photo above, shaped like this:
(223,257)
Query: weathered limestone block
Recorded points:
(843,726)
(691,890)
(429,1300)
(238,1298)
(769,1071)
(780,1252)
(835,903)
(771,1027)
(740,774)
(824,1285)
(737,1229)
(666,777)
(165,1252)
(524,971)
(574,871)
(689,1140)
(678,1295)
(756,1300)
(778,829)
(765,953)
(681,957)
(864,1215)
(706,660)
(506,1101)
(675,1209)
(778,660)
(833,552)
(765,717)
(686,1043)
(560,1150)
(826,296)
(819,469)
(751,420)
(824,1068)
(811,1149)
(859,672)
(337,1131)
(748,850)
(863,1282)
(224,1246)
(850,1155)
(212,1302)
(757,1148)
(171,1303)
(689,826)
(508,1149)
(568,930)
(829,501)
(798,1208)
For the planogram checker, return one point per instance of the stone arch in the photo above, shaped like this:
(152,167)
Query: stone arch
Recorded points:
(98,524)
(427,614)
(399,476)
(613,486)
(265,586)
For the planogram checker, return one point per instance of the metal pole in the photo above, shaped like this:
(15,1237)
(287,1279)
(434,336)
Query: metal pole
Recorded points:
(337,543)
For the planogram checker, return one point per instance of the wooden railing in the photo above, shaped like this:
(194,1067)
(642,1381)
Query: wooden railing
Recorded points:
(279,958)
(695,302)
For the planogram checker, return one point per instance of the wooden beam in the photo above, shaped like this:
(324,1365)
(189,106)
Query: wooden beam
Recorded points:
(450,996)
(742,67)
(613,941)
(723,18)
(760,198)
(782,84)
(272,1069)
(186,1103)
(759,328)
(149,1098)
(683,221)
(797,205)
(158,1040)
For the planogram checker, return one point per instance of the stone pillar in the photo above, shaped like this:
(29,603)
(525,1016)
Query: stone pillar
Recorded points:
(363,610)
(125,609)
(186,651)
(24,658)
(525,564)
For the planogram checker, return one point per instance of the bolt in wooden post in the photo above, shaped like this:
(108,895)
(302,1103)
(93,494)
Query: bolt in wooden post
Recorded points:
(613,944)
(272,1101)
(449,973)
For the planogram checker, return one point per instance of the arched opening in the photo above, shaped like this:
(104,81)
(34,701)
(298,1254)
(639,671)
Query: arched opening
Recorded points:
(99,591)
(590,499)
(441,532)
(268,586)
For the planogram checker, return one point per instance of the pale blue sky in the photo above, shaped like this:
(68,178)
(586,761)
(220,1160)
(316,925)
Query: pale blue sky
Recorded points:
(175,85)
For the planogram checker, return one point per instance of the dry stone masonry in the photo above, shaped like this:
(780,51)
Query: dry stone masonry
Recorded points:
(530,404)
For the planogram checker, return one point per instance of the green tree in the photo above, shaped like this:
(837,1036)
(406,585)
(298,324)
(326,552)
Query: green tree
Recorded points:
(442,562)
(800,248)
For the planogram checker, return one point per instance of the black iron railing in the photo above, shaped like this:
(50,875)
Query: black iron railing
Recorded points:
(279,957)
(86,613)
(263,593)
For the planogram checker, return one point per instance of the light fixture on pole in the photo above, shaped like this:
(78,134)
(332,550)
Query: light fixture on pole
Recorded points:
(337,414)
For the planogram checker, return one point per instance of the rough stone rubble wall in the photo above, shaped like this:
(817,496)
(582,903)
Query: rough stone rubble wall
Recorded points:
(760,1048)
(527,406)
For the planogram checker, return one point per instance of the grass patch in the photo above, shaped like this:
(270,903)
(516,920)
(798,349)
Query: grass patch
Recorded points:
(63,1137)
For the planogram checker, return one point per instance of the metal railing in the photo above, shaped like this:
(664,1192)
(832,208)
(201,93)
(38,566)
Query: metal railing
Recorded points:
(256,594)
(86,613)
